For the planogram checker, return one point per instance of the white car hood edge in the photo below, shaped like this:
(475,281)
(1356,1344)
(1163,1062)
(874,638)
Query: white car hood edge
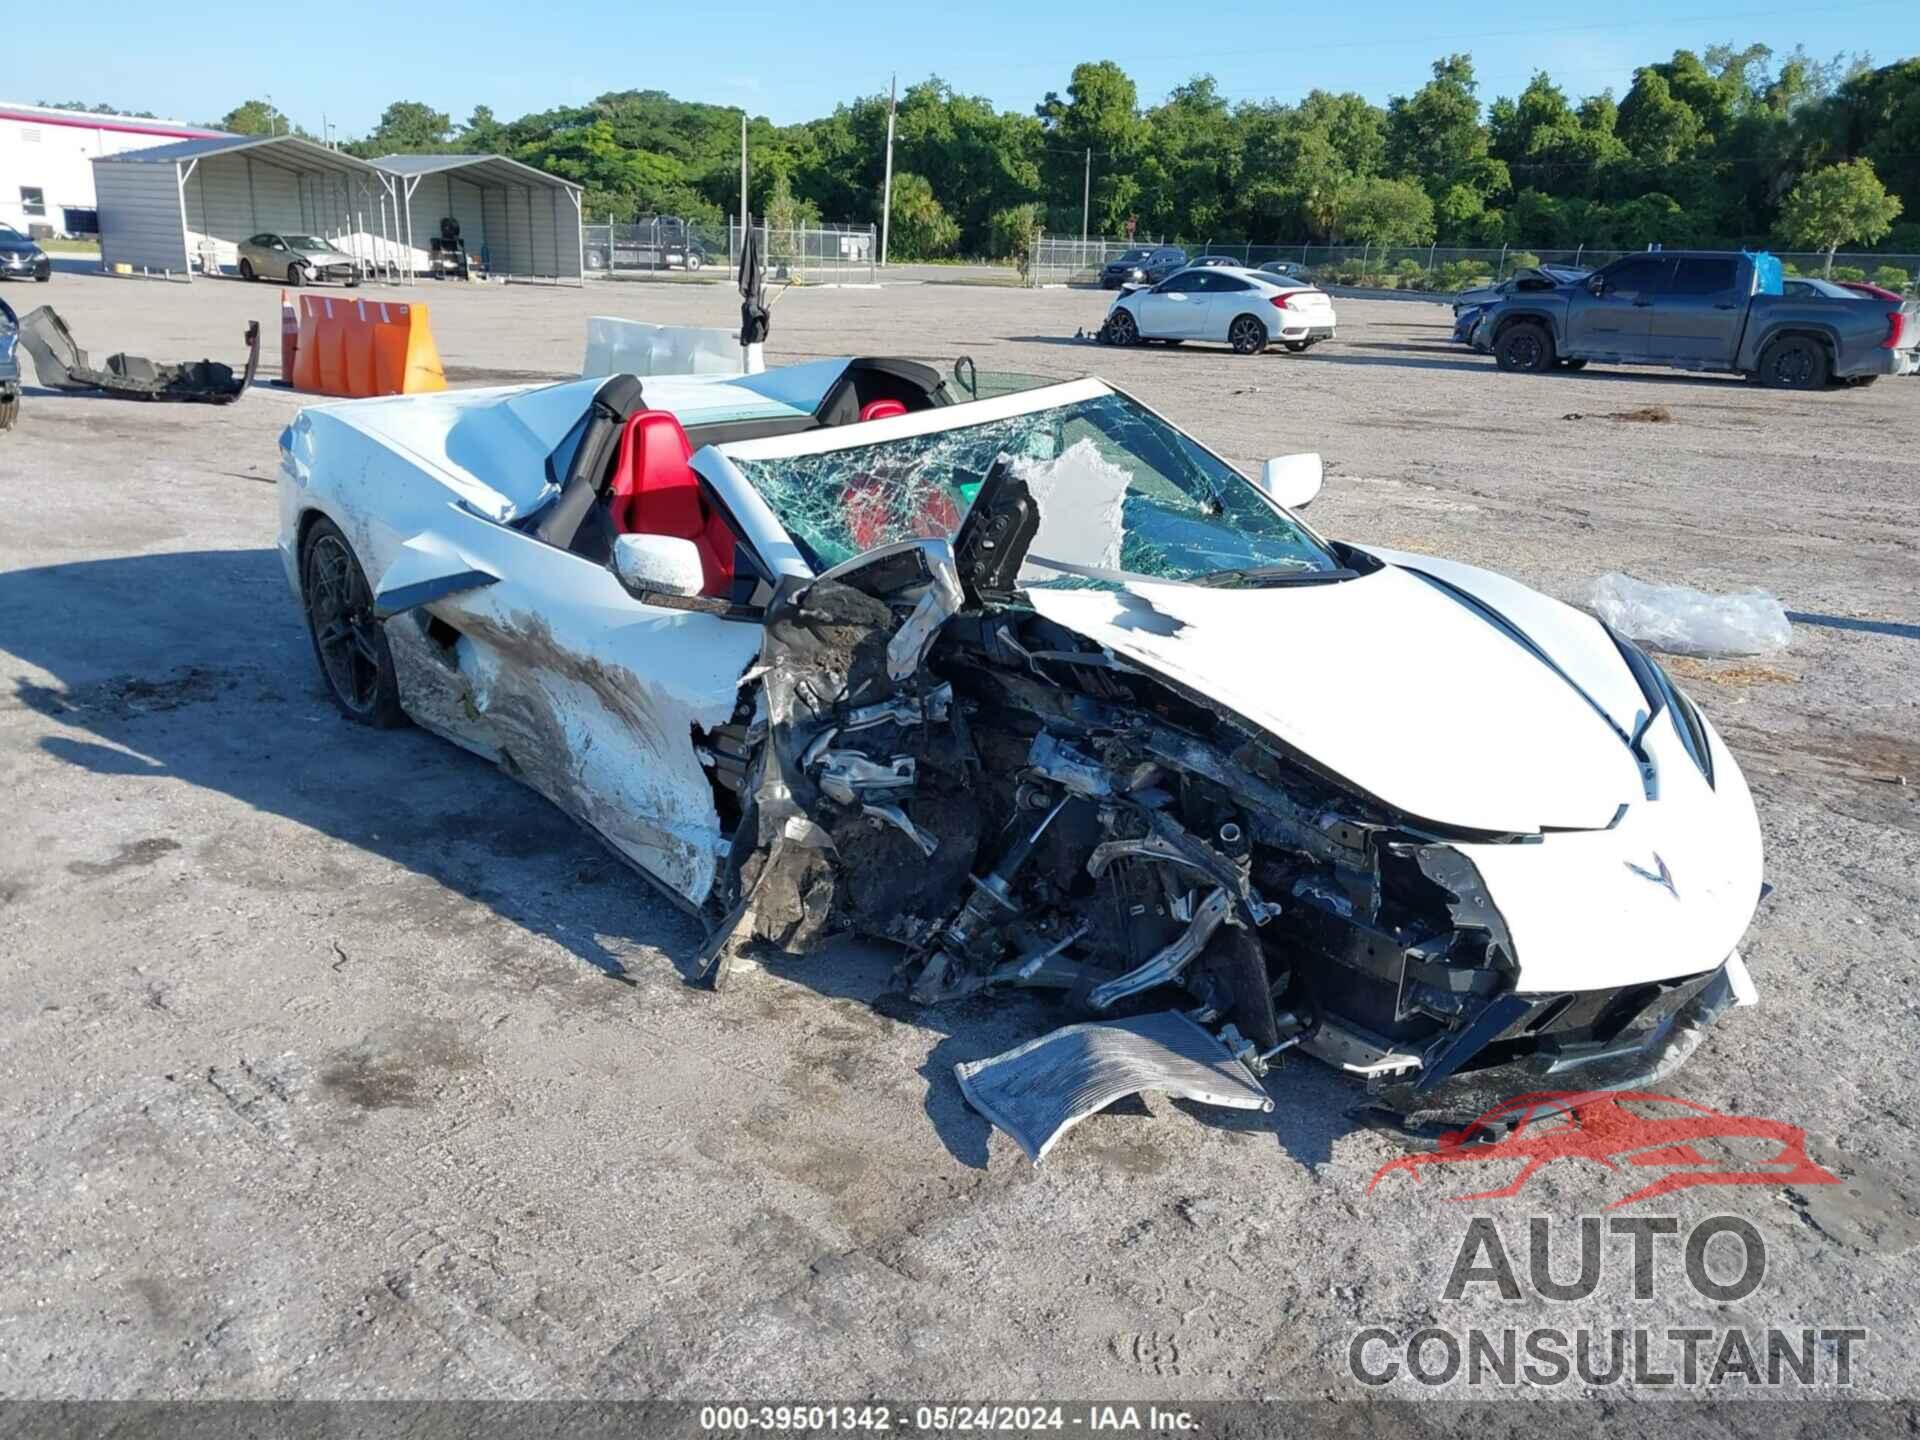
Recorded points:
(1386,682)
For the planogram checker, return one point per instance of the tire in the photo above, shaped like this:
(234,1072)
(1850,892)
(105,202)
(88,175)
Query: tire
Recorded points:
(352,280)
(1122,328)
(1575,365)
(694,262)
(1794,362)
(246,270)
(1860,382)
(1296,347)
(1524,348)
(43,279)
(296,276)
(1246,335)
(9,409)
(348,643)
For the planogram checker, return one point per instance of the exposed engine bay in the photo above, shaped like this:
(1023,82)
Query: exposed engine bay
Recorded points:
(939,765)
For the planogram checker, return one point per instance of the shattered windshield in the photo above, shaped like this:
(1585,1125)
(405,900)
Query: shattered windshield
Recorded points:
(1121,493)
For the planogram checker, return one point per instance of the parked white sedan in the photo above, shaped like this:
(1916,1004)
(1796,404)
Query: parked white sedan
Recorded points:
(1247,309)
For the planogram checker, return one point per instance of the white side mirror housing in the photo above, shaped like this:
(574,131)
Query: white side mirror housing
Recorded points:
(1293,480)
(658,565)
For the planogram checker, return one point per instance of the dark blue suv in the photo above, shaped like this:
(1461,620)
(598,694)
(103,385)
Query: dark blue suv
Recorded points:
(1148,265)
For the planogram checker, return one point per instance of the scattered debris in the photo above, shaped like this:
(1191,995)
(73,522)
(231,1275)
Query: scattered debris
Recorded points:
(1038,1091)
(1644,415)
(1684,621)
(1733,675)
(62,365)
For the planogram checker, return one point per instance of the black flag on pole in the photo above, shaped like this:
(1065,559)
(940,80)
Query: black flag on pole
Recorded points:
(753,298)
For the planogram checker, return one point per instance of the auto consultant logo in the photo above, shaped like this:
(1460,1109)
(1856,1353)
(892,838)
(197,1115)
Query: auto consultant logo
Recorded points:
(1723,1261)
(1628,1132)
(1653,1145)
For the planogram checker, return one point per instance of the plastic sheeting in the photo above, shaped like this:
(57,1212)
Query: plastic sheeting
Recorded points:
(1683,621)
(635,347)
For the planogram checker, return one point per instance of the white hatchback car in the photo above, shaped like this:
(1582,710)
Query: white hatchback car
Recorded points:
(1247,309)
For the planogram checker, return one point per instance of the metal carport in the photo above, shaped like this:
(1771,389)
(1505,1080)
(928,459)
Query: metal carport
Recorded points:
(175,208)
(525,222)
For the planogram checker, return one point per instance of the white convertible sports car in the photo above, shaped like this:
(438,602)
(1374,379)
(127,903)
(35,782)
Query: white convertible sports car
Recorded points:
(1247,309)
(1035,684)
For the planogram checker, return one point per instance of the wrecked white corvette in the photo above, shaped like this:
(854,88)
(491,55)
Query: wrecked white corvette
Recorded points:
(1042,689)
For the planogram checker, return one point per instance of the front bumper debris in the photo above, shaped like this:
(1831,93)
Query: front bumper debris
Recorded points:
(63,365)
(1038,1091)
(1658,1042)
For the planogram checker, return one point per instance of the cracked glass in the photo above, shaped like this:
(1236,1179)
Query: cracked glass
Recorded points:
(1121,493)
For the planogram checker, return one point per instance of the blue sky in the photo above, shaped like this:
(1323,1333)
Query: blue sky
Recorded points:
(799,59)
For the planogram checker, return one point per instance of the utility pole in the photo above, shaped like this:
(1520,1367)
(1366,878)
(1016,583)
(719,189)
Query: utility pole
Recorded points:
(743,181)
(886,192)
(1086,196)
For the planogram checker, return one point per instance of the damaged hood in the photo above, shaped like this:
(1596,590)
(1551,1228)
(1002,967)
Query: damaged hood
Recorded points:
(1385,682)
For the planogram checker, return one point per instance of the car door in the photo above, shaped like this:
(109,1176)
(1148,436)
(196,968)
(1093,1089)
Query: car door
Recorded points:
(1228,296)
(1699,312)
(596,699)
(1613,314)
(1173,309)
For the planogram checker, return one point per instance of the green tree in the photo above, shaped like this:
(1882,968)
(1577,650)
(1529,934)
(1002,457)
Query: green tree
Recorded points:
(1013,231)
(409,126)
(482,134)
(255,117)
(1434,137)
(1836,205)
(1386,212)
(922,229)
(1099,114)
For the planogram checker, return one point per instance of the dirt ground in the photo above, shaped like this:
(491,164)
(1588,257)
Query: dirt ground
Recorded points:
(338,1064)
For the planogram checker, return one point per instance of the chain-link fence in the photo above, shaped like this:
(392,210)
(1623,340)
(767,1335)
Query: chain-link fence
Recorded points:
(1435,268)
(665,246)
(653,245)
(819,254)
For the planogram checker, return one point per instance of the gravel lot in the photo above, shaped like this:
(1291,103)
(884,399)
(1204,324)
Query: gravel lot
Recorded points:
(338,1064)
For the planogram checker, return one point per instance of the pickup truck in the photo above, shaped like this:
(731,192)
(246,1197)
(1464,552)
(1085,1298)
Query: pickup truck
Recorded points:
(1690,310)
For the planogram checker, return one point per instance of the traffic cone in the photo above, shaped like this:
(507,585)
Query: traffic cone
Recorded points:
(289,338)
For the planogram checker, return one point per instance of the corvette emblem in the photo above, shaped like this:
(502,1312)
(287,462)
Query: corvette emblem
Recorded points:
(1662,876)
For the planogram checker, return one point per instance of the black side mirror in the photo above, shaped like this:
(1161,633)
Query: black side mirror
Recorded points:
(1597,284)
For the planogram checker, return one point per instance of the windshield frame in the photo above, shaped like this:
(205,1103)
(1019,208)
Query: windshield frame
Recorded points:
(768,534)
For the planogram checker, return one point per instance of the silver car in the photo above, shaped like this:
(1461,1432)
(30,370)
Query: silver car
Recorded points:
(295,259)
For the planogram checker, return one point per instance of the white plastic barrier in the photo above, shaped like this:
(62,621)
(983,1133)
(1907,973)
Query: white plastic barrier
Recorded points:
(634,347)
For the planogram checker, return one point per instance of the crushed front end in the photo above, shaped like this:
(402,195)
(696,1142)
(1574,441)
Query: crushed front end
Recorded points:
(936,763)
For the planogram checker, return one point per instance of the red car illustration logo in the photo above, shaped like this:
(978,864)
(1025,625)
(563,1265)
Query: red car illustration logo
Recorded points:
(1597,1127)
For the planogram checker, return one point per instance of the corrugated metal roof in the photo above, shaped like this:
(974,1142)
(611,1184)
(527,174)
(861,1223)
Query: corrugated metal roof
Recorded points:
(290,151)
(497,169)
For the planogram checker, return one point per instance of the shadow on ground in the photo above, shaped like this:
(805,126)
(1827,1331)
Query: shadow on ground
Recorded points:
(195,666)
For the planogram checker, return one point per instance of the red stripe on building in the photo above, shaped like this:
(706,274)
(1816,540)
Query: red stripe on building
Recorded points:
(120,124)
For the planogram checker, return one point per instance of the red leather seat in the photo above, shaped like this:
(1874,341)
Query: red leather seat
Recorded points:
(881,409)
(655,492)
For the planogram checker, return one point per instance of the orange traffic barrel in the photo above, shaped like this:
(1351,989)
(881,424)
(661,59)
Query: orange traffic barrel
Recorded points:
(365,347)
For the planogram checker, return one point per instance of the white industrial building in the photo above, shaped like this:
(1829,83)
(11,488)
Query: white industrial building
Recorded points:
(46,161)
(186,207)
